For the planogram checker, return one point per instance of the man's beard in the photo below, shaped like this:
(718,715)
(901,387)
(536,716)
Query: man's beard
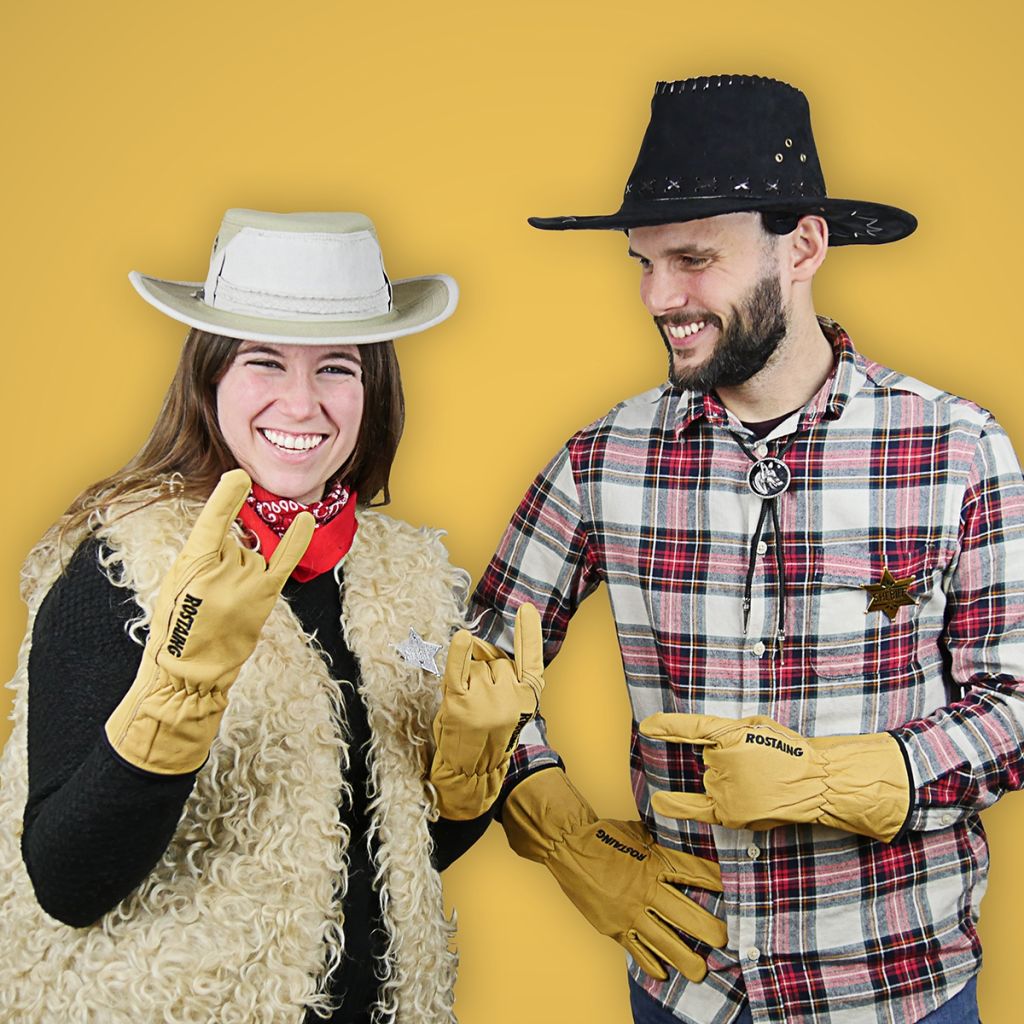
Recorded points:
(756,329)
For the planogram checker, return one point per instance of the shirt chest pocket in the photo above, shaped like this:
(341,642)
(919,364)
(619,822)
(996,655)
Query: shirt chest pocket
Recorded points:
(866,608)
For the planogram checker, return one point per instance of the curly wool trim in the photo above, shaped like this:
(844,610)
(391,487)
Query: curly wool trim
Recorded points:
(396,577)
(240,921)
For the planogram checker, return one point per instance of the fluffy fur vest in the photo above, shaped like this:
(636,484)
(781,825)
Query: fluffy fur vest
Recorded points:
(239,922)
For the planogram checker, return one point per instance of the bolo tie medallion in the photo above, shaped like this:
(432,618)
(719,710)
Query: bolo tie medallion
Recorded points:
(768,478)
(889,594)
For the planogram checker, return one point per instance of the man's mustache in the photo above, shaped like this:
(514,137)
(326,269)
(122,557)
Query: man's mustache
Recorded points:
(685,319)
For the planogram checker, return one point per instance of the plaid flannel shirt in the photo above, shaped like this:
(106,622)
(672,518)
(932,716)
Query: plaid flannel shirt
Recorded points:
(887,473)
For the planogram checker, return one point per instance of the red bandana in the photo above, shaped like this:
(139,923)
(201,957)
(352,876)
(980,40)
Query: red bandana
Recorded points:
(268,516)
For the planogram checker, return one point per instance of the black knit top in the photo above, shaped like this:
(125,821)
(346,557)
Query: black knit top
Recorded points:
(95,826)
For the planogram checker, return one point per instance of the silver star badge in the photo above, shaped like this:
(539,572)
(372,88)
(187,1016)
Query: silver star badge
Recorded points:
(417,651)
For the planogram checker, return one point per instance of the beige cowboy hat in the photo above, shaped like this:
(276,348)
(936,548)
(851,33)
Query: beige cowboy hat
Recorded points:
(301,279)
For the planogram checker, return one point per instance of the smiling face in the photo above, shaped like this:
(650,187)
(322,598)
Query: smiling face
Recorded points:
(713,288)
(291,413)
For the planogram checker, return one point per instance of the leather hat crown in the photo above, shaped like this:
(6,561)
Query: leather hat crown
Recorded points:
(730,143)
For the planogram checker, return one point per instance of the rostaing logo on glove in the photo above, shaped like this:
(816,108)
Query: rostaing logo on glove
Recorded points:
(771,741)
(183,625)
(621,847)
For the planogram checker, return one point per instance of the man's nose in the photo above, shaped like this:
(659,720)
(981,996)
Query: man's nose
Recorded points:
(663,291)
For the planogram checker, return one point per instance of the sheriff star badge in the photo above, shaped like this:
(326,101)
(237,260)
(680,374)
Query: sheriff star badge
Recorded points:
(888,595)
(419,652)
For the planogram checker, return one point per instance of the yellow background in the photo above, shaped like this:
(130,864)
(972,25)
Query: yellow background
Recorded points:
(130,127)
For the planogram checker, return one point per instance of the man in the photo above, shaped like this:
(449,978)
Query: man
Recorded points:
(815,566)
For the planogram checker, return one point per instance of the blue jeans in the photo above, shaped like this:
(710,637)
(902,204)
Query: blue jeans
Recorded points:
(961,1009)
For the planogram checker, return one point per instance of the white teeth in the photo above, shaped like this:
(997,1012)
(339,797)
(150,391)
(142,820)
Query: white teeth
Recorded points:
(686,330)
(293,442)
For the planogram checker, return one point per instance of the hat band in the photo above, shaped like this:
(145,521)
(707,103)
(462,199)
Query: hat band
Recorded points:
(235,298)
(298,276)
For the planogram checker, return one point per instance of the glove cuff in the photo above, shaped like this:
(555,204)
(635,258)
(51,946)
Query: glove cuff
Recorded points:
(542,811)
(868,786)
(462,797)
(161,726)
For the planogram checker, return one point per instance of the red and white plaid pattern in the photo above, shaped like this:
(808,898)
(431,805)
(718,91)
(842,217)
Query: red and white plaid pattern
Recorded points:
(652,501)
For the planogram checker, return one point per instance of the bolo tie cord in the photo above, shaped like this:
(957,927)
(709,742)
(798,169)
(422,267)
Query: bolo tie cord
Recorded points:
(769,505)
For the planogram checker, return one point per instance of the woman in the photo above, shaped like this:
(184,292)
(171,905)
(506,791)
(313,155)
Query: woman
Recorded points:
(217,766)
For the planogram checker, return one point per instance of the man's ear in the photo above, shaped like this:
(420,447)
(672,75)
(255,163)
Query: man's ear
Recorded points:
(807,246)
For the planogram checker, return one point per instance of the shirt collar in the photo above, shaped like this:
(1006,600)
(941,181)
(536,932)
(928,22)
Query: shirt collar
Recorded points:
(845,380)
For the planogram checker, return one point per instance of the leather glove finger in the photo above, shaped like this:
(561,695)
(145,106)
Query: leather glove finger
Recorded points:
(529,648)
(649,959)
(463,651)
(214,523)
(687,869)
(658,944)
(290,550)
(687,806)
(679,911)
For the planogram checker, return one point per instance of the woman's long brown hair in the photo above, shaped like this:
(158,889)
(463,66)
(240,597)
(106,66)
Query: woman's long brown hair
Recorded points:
(186,440)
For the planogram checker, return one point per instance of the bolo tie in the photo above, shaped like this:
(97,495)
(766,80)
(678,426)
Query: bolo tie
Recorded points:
(767,478)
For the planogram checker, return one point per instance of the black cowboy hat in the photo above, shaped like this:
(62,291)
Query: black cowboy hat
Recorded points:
(731,143)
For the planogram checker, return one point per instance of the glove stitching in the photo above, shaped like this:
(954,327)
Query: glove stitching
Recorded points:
(460,774)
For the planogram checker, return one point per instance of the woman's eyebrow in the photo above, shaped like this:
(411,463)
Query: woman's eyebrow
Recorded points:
(342,355)
(265,349)
(269,350)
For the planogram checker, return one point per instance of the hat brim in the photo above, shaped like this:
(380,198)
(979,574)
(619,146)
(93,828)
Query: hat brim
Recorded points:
(417,303)
(850,222)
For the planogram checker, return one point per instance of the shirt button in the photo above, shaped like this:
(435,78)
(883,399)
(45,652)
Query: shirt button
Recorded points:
(753,852)
(762,547)
(760,450)
(948,818)
(753,954)
(758,649)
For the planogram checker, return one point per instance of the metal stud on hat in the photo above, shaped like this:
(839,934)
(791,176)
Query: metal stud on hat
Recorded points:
(301,278)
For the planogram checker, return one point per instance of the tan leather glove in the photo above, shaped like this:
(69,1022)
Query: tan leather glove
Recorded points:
(486,700)
(759,774)
(206,620)
(615,874)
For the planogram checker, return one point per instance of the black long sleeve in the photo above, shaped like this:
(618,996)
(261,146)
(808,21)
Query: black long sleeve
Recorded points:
(453,838)
(94,825)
